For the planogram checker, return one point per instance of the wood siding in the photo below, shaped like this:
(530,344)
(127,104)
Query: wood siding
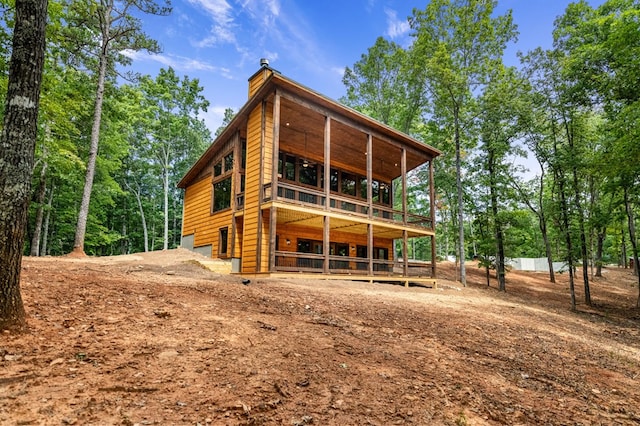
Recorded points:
(198,220)
(252,192)
(293,233)
(258,79)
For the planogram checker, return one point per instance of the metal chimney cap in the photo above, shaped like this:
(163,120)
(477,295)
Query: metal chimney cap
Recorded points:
(264,62)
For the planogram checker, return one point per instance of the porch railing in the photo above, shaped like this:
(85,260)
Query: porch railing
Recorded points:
(313,198)
(287,261)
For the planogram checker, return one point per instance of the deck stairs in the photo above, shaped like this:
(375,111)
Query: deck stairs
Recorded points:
(219,266)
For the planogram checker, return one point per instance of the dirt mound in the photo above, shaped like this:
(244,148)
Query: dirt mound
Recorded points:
(155,338)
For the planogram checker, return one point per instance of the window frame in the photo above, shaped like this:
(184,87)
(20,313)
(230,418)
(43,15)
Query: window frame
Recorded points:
(223,250)
(225,162)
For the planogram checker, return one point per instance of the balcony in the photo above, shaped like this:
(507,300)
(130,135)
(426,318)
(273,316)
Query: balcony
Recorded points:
(308,197)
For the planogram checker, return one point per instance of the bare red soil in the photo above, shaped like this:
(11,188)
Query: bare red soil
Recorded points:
(157,339)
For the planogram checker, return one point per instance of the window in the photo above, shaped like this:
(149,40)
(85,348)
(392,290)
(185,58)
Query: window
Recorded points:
(222,194)
(375,191)
(363,188)
(384,193)
(223,239)
(243,154)
(290,168)
(334,180)
(217,169)
(228,162)
(309,175)
(348,184)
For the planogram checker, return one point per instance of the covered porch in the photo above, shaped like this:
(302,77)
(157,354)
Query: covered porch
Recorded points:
(305,240)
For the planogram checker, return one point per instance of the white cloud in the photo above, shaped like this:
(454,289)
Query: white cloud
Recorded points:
(179,63)
(395,27)
(221,13)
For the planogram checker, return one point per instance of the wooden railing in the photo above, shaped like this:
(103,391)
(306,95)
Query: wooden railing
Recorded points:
(313,198)
(287,261)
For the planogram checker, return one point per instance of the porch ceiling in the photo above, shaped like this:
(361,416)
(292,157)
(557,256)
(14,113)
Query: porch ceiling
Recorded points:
(302,133)
(354,226)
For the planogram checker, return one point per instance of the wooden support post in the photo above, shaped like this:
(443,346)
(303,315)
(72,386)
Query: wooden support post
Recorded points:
(272,238)
(370,247)
(369,175)
(276,146)
(405,254)
(237,162)
(263,115)
(326,235)
(432,208)
(404,185)
(327,162)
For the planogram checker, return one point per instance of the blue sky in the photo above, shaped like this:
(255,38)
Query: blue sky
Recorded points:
(220,42)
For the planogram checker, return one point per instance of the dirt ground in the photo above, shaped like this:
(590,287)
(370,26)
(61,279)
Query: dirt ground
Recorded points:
(157,339)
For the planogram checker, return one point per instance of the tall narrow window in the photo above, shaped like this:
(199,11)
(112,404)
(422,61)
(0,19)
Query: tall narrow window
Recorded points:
(223,239)
(243,154)
(333,178)
(222,194)
(348,184)
(228,162)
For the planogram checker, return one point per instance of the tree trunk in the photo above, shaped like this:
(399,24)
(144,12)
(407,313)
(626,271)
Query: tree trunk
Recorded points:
(145,232)
(37,228)
(461,254)
(17,151)
(547,246)
(564,213)
(83,214)
(599,249)
(567,234)
(165,182)
(632,237)
(45,227)
(624,249)
(583,238)
(496,223)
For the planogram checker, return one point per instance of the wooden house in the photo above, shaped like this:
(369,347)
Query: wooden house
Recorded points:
(298,183)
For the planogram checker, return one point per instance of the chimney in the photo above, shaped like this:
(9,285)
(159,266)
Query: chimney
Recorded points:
(256,80)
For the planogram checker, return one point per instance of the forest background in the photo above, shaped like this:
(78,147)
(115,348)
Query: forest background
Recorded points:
(112,145)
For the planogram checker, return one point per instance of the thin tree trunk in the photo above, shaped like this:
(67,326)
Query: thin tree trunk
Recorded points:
(568,242)
(17,152)
(145,232)
(45,227)
(578,205)
(632,237)
(599,249)
(165,243)
(542,219)
(547,247)
(564,213)
(461,253)
(37,228)
(583,238)
(624,249)
(497,225)
(83,214)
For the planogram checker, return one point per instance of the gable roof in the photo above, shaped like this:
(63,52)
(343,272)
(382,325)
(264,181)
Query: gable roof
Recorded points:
(277,81)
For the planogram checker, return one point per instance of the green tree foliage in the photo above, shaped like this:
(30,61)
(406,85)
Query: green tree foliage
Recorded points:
(602,48)
(385,86)
(103,31)
(459,45)
(169,134)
